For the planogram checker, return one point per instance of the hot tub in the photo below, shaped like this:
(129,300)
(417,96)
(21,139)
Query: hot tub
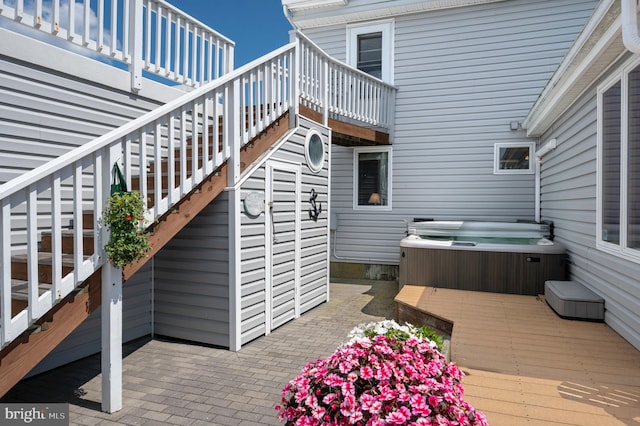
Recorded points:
(499,257)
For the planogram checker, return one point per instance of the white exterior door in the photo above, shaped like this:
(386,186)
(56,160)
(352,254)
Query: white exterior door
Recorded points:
(283,189)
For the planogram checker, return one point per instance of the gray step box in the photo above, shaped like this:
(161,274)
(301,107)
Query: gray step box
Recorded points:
(572,300)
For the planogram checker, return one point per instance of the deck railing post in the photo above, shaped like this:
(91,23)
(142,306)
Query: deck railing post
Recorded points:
(233,131)
(6,333)
(230,62)
(135,43)
(390,118)
(111,311)
(295,80)
(324,87)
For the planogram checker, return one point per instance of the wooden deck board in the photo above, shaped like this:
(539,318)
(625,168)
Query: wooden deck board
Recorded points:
(525,365)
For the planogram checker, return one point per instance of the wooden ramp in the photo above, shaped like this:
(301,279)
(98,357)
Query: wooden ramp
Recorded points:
(525,365)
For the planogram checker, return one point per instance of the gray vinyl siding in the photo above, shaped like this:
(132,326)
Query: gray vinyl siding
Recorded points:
(191,292)
(44,114)
(569,188)
(86,339)
(313,239)
(253,263)
(462,75)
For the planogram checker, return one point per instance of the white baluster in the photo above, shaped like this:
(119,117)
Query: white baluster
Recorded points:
(158,38)
(135,44)
(100,37)
(86,29)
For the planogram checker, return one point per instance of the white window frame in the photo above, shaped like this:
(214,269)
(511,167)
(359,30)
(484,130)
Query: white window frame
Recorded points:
(620,250)
(496,158)
(386,27)
(359,150)
(312,167)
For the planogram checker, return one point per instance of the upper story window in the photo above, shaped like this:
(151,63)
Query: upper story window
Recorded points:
(618,190)
(372,178)
(370,48)
(370,53)
(513,158)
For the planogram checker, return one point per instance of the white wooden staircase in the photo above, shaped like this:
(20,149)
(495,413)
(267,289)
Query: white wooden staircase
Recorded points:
(203,141)
(25,352)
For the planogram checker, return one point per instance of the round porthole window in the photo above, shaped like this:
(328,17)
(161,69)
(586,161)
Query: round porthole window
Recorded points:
(314,151)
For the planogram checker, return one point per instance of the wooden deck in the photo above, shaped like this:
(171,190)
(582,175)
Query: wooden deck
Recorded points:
(525,365)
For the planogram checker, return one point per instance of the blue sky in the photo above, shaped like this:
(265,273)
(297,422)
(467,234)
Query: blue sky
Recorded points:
(256,26)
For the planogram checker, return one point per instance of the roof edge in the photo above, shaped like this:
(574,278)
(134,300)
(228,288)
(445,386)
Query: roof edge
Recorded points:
(334,12)
(596,48)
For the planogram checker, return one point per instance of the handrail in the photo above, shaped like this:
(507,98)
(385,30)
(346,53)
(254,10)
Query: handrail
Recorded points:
(185,131)
(145,34)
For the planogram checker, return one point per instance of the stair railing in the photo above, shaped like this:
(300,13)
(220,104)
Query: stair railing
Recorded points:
(149,35)
(192,135)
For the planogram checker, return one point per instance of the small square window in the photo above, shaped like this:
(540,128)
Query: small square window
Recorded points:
(513,158)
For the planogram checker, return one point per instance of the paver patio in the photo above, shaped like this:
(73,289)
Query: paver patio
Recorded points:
(179,383)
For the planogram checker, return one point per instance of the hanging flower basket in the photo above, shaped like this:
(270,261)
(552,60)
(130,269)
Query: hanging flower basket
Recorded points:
(123,216)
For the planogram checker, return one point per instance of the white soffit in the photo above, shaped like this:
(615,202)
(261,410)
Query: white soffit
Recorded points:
(297,5)
(594,51)
(364,10)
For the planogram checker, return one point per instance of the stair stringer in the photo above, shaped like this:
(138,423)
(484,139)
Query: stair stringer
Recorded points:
(25,352)
(189,206)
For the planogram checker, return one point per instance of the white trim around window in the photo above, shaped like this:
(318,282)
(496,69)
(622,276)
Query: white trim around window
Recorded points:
(501,162)
(376,193)
(614,235)
(314,151)
(386,27)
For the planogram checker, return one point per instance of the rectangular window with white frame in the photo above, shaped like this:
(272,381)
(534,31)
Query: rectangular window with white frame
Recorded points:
(618,182)
(513,158)
(372,178)
(370,48)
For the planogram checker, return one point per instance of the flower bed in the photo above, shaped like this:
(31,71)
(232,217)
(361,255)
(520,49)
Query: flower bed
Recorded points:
(379,380)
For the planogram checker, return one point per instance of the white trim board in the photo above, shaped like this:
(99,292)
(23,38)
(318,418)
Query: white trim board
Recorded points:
(33,51)
(598,46)
(366,10)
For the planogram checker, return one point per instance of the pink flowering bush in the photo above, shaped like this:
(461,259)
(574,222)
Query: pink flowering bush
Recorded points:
(379,381)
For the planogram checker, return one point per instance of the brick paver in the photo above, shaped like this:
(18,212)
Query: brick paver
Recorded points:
(178,383)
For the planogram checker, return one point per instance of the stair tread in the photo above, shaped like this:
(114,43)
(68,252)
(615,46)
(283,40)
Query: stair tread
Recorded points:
(86,233)
(20,289)
(45,258)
